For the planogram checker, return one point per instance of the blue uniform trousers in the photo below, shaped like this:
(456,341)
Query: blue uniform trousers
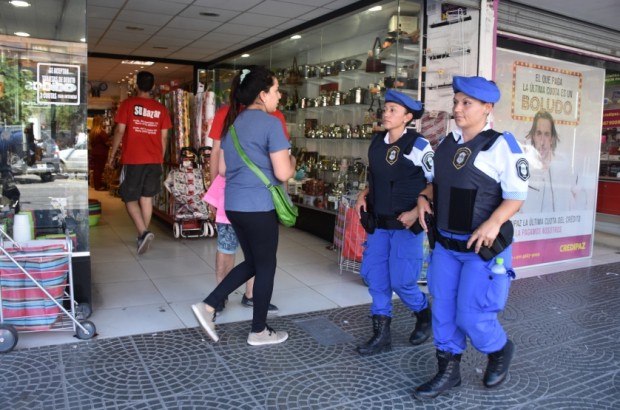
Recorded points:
(466,299)
(392,262)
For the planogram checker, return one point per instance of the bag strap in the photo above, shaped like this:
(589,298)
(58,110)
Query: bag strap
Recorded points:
(247,160)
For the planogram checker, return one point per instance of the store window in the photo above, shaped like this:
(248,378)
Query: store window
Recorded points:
(332,78)
(43,135)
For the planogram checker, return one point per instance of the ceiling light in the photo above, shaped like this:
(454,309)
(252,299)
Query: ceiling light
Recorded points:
(19,3)
(376,8)
(137,62)
(245,55)
(208,14)
(21,34)
(295,37)
(134,28)
(83,40)
(166,67)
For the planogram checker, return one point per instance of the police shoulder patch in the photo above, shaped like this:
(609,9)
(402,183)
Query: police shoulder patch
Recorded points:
(523,169)
(427,161)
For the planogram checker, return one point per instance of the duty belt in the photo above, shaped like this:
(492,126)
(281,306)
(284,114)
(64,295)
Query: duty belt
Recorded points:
(452,244)
(389,223)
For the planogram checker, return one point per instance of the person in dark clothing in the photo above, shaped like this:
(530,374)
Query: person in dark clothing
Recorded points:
(400,162)
(99,145)
(480,181)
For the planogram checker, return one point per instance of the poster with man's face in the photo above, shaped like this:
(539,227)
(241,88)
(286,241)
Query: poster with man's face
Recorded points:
(554,108)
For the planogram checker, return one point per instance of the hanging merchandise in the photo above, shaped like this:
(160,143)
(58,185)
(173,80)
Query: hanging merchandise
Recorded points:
(209,114)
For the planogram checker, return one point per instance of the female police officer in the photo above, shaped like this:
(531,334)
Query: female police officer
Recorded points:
(480,181)
(400,163)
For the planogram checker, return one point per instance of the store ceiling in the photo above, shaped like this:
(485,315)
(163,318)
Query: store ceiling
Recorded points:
(176,30)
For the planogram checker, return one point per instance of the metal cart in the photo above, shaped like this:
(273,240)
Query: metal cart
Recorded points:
(36,283)
(187,186)
(349,237)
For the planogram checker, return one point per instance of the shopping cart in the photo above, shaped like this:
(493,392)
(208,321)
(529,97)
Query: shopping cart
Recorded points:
(349,237)
(187,185)
(36,283)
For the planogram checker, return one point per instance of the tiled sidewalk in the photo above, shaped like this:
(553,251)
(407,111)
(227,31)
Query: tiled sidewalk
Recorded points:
(566,328)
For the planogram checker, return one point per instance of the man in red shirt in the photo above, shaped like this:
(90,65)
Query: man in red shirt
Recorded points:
(142,125)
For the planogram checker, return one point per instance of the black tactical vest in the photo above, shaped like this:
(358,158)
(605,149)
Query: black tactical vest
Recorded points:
(464,196)
(395,181)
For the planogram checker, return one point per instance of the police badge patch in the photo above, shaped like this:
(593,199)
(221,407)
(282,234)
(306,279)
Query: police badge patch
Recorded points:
(460,157)
(427,161)
(392,155)
(523,169)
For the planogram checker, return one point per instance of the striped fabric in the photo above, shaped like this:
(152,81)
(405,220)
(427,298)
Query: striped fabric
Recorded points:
(24,305)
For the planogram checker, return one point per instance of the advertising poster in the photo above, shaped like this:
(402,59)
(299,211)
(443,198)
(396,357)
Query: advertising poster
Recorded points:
(554,108)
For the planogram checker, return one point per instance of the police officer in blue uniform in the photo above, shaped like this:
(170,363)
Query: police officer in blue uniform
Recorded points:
(400,166)
(479,183)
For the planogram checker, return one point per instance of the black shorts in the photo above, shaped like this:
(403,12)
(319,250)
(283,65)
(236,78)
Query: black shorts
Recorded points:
(140,180)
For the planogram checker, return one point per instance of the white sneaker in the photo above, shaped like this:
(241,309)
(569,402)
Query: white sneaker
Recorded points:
(267,337)
(205,319)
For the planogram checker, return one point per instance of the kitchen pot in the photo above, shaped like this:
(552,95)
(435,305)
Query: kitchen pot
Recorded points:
(359,95)
(353,64)
(328,69)
(337,98)
(308,71)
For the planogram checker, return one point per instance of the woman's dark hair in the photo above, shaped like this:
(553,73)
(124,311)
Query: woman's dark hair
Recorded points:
(544,115)
(255,80)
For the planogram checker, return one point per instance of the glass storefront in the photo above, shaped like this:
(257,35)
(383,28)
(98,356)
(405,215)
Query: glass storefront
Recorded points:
(43,135)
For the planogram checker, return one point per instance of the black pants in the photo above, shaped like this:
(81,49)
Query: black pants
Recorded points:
(258,234)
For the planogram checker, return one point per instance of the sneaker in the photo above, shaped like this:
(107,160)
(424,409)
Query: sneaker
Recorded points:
(144,242)
(267,337)
(249,302)
(206,319)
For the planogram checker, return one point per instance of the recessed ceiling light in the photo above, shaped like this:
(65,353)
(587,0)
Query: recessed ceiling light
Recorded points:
(245,55)
(208,14)
(166,67)
(19,3)
(21,34)
(376,8)
(83,40)
(295,37)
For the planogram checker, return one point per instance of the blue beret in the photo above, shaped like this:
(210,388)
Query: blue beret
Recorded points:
(477,87)
(403,99)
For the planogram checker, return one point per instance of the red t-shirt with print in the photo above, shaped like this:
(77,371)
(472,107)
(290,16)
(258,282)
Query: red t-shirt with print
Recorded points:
(220,116)
(144,119)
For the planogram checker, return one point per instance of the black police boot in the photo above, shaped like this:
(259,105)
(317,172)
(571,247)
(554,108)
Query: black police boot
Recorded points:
(447,377)
(381,341)
(499,362)
(422,330)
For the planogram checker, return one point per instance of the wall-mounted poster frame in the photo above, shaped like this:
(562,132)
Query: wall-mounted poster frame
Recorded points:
(564,101)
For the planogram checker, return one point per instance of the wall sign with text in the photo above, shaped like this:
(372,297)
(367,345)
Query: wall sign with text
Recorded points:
(58,84)
(538,87)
